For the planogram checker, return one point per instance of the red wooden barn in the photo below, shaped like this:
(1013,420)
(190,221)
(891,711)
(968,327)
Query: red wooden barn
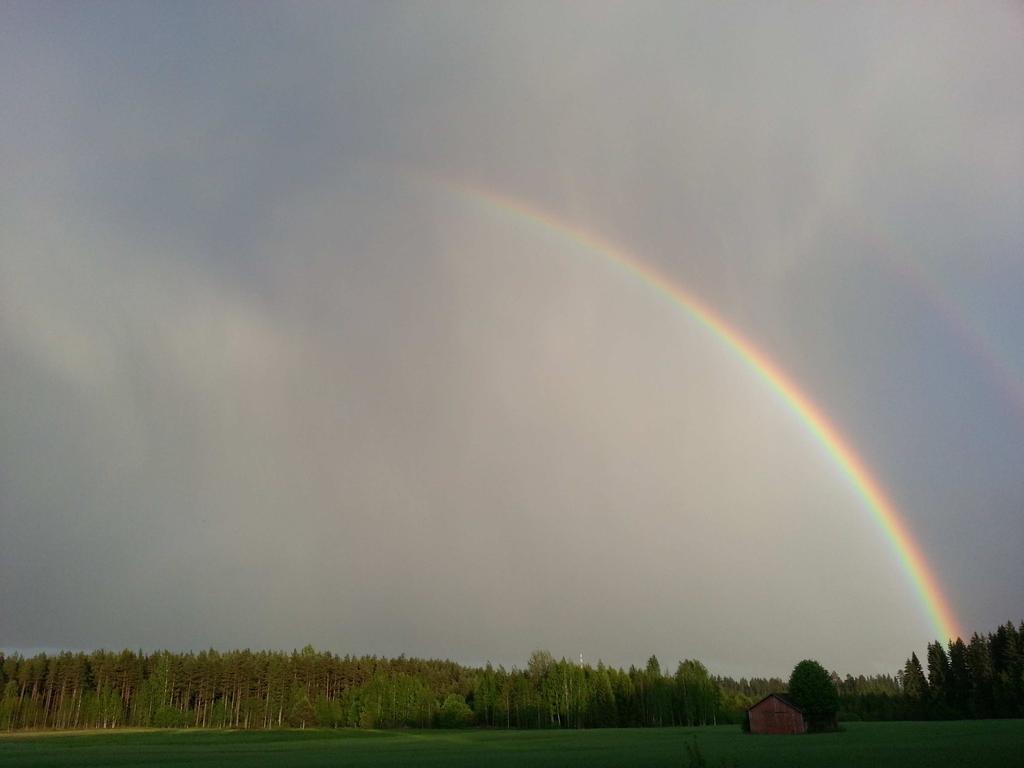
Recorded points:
(776,713)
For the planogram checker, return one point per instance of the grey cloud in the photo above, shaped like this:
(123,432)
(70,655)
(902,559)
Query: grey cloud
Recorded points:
(268,382)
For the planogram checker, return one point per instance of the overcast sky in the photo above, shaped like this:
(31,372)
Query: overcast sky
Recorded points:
(267,378)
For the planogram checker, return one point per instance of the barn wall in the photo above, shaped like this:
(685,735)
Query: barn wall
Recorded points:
(775,716)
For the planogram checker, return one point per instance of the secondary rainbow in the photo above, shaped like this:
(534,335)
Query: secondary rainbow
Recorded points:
(842,453)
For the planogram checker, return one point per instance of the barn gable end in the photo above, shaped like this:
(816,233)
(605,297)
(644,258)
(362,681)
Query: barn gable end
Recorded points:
(776,714)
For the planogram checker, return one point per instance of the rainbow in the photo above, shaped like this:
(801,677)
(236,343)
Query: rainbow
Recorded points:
(965,328)
(810,415)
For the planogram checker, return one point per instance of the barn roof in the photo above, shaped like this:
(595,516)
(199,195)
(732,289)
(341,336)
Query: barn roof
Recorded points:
(781,697)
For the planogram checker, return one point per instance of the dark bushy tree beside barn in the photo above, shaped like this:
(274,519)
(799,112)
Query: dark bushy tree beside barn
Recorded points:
(811,687)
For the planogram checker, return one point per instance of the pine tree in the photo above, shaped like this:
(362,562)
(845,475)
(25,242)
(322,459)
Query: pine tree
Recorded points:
(915,685)
(979,666)
(958,687)
(938,675)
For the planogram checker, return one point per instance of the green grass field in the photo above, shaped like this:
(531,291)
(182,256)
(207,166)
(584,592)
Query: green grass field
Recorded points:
(907,745)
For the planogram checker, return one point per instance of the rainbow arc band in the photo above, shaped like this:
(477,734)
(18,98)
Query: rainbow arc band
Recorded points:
(810,415)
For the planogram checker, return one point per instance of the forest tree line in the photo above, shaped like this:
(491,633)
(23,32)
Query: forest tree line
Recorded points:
(309,688)
(981,678)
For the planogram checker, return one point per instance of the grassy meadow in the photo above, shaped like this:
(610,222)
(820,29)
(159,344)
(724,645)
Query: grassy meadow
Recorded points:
(907,745)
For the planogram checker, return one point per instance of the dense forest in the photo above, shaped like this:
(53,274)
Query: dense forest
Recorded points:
(307,688)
